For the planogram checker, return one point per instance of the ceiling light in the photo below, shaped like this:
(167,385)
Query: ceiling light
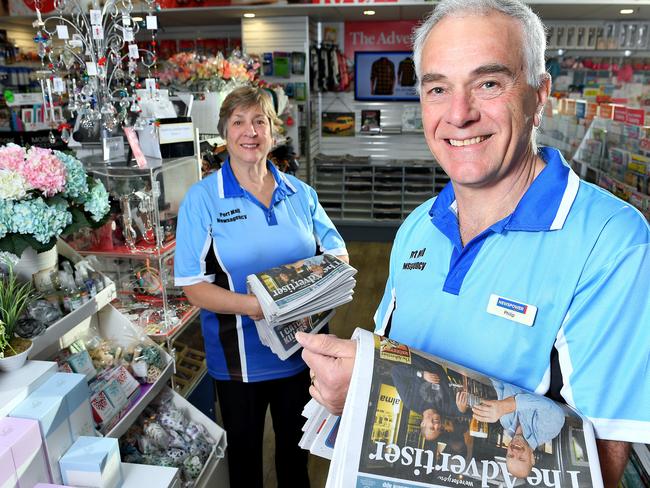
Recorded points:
(368,12)
(560,52)
(627,52)
(627,11)
(249,15)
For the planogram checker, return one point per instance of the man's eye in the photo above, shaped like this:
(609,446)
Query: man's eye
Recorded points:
(490,84)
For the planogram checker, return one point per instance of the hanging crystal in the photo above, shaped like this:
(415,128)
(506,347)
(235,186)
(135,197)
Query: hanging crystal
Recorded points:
(65,134)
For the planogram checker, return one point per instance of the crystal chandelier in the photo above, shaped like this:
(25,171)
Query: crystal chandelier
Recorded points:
(90,52)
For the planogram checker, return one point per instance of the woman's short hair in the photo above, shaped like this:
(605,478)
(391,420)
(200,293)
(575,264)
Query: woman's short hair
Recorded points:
(246,97)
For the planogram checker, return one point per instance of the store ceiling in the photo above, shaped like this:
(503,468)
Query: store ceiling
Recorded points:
(548,10)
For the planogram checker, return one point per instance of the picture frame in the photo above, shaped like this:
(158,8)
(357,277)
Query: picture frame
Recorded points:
(337,124)
(298,63)
(370,121)
(384,76)
(578,447)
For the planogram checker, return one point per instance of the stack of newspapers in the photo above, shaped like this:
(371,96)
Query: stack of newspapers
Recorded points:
(320,430)
(299,297)
(411,419)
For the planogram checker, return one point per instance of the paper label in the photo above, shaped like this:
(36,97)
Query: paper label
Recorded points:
(62,32)
(91,69)
(58,85)
(98,32)
(182,132)
(152,22)
(150,85)
(512,310)
(133,51)
(126,20)
(128,34)
(95,17)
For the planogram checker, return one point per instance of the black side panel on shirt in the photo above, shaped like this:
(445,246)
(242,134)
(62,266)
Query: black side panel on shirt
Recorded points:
(390,323)
(556,379)
(227,322)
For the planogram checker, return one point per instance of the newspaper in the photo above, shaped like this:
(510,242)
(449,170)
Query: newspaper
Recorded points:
(282,338)
(293,291)
(412,420)
(320,430)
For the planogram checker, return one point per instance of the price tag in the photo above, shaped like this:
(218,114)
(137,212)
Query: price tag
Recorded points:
(98,32)
(128,34)
(91,69)
(126,20)
(150,85)
(62,32)
(152,22)
(95,17)
(58,85)
(133,51)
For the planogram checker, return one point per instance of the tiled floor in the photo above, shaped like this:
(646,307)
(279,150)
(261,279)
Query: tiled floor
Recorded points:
(371,261)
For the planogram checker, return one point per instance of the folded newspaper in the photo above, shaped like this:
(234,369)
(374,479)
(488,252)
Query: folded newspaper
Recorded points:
(282,338)
(310,286)
(414,420)
(320,430)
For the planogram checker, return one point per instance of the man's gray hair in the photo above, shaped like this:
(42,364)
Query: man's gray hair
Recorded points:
(533,31)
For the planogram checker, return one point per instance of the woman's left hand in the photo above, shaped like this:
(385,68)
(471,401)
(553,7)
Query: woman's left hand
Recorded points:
(255,309)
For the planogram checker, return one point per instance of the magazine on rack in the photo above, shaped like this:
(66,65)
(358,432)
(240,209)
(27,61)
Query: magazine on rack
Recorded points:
(310,286)
(282,338)
(412,420)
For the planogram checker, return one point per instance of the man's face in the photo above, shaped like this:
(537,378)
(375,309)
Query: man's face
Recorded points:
(477,108)
(431,424)
(520,458)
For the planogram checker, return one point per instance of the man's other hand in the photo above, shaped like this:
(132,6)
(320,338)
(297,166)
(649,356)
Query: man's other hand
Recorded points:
(331,361)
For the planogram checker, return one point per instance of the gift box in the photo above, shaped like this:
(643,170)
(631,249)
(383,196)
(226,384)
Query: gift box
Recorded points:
(61,407)
(16,385)
(22,461)
(92,462)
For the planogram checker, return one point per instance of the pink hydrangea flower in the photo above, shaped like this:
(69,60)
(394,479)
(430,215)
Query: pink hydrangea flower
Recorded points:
(12,157)
(43,171)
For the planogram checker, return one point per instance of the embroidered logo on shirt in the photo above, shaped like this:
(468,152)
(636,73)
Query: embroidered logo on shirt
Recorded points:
(419,265)
(512,310)
(231,216)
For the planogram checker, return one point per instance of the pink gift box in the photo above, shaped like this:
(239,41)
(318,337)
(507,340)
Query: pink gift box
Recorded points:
(20,439)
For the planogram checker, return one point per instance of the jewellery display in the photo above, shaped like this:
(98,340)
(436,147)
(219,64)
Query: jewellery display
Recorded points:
(94,49)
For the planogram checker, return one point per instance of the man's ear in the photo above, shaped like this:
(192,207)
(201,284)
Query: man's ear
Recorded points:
(542,94)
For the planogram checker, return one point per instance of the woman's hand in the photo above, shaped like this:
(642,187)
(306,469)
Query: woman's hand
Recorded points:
(492,410)
(254,309)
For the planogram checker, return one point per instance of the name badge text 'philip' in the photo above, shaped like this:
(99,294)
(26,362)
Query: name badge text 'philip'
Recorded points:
(512,310)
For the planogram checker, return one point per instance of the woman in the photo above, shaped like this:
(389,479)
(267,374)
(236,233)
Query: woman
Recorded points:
(243,219)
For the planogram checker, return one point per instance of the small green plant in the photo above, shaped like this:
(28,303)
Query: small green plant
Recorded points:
(14,299)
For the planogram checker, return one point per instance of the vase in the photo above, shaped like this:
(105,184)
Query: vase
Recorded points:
(12,363)
(31,262)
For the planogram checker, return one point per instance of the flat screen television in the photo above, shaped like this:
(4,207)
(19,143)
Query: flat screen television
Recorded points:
(384,76)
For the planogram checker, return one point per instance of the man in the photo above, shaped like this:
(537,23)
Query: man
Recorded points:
(521,259)
(530,420)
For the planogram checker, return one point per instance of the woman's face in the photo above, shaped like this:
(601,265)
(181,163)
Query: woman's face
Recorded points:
(248,135)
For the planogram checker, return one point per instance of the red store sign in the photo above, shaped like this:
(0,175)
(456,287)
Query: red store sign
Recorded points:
(378,36)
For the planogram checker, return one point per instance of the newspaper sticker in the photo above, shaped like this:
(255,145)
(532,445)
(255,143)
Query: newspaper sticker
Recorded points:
(62,32)
(95,17)
(152,22)
(133,51)
(393,351)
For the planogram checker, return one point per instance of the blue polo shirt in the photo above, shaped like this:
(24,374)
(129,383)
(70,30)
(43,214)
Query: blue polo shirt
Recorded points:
(569,268)
(224,234)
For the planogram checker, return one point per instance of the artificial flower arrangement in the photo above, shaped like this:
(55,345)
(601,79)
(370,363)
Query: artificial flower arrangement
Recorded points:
(45,194)
(213,73)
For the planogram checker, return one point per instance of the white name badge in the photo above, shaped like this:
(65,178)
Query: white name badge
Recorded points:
(512,310)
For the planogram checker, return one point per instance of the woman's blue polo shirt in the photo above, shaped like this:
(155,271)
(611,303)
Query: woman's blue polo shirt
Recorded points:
(224,234)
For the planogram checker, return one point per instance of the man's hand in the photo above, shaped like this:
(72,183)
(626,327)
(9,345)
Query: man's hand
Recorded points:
(331,361)
(492,410)
(430,377)
(462,399)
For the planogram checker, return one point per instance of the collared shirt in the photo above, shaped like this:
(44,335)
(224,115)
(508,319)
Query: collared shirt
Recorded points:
(382,77)
(569,268)
(224,234)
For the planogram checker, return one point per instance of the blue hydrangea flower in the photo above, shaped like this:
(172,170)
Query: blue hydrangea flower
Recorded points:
(96,201)
(37,218)
(76,184)
(6,212)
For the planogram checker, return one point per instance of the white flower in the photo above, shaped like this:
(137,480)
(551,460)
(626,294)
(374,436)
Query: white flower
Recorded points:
(13,185)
